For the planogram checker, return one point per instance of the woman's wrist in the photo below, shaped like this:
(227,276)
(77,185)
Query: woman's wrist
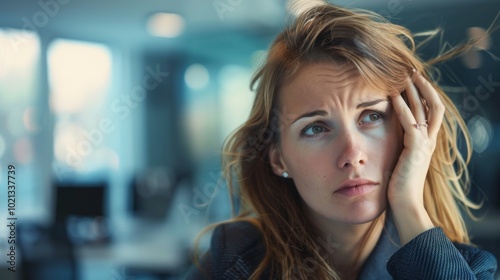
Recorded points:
(411,220)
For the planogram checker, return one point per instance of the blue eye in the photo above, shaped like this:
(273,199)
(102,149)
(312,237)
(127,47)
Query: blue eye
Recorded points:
(313,129)
(372,117)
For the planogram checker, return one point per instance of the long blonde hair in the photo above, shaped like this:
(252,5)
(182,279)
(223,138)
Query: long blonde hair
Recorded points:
(384,54)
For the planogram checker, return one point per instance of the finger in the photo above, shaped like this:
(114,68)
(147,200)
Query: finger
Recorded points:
(404,113)
(415,104)
(436,107)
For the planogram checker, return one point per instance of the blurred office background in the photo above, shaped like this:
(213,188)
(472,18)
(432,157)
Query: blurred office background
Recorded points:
(113,113)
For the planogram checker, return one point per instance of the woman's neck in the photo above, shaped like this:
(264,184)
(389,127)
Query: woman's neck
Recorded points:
(353,243)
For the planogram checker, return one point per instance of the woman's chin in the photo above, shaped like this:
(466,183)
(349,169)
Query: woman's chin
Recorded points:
(361,215)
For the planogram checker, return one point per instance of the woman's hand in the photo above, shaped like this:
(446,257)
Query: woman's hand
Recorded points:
(421,122)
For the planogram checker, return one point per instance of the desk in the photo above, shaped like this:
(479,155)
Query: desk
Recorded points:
(148,247)
(155,248)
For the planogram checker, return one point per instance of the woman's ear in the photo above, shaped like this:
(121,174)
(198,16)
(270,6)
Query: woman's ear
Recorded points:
(276,161)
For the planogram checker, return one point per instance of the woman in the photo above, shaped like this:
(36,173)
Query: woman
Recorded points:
(348,166)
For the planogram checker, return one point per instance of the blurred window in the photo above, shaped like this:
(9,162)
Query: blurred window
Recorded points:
(236,98)
(79,81)
(20,119)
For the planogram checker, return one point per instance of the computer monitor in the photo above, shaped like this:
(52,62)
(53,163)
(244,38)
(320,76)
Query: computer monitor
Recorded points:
(80,213)
(87,200)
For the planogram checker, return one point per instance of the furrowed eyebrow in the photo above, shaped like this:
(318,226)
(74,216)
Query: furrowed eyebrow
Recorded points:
(311,114)
(370,103)
(324,113)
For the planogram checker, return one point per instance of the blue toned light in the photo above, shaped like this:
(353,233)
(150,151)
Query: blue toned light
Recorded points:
(196,76)
(481,133)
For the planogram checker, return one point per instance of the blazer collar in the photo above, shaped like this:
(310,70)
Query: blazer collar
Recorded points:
(387,244)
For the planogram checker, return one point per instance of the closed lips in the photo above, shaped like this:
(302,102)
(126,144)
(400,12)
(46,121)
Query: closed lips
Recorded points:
(356,186)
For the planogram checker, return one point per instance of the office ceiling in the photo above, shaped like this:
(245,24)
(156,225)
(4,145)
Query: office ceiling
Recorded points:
(209,23)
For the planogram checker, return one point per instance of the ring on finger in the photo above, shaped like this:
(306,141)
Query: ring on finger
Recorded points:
(418,125)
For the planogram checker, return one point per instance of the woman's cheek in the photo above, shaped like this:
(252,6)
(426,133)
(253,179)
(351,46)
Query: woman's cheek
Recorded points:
(310,158)
(307,147)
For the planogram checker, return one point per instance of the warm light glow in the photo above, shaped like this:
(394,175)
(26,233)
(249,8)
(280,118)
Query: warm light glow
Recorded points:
(20,49)
(79,75)
(472,59)
(23,151)
(482,37)
(66,138)
(30,120)
(165,25)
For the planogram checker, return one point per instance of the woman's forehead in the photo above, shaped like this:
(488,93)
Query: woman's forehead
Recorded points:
(336,76)
(319,82)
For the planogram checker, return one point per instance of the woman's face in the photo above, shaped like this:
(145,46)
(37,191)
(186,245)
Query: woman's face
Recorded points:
(340,140)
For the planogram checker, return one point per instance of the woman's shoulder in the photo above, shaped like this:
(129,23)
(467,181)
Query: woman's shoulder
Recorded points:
(236,249)
(238,241)
(236,237)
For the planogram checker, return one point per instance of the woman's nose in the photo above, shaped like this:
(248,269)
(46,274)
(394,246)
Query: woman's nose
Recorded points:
(351,153)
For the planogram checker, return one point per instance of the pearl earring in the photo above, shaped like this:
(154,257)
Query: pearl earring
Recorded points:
(284,174)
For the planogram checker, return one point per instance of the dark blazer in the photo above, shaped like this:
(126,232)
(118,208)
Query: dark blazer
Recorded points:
(237,249)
